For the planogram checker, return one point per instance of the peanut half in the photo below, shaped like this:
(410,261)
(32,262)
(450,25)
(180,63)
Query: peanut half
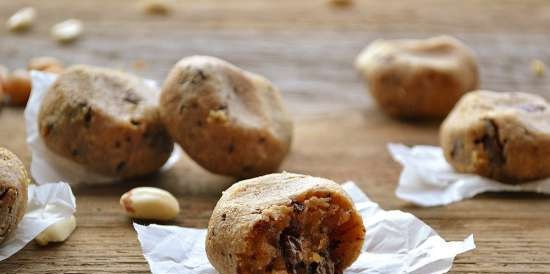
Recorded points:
(150,203)
(67,31)
(22,20)
(58,232)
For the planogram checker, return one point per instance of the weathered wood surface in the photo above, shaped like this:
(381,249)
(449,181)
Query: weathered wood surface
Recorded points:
(307,48)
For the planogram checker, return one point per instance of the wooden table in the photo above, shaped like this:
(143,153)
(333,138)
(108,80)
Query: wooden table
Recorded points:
(307,48)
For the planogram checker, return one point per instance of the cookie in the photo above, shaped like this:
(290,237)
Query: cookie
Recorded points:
(14,181)
(418,79)
(284,223)
(228,120)
(501,135)
(106,120)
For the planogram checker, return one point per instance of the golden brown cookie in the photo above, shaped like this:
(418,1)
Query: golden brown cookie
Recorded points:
(286,224)
(14,181)
(411,78)
(105,120)
(228,120)
(501,135)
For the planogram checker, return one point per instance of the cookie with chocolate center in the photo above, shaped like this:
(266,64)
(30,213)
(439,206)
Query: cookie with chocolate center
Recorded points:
(500,135)
(284,223)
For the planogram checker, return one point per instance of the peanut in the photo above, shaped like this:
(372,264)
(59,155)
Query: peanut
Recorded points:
(150,203)
(67,31)
(46,64)
(17,87)
(22,20)
(58,232)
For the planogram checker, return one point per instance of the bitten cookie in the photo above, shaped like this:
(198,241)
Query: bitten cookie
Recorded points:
(14,181)
(228,120)
(418,78)
(105,120)
(286,224)
(501,135)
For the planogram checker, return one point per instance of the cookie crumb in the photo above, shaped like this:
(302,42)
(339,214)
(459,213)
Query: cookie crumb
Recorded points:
(538,67)
(139,64)
(340,3)
(217,116)
(157,7)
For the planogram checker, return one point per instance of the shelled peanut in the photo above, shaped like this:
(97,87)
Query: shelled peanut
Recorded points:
(57,232)
(22,20)
(150,203)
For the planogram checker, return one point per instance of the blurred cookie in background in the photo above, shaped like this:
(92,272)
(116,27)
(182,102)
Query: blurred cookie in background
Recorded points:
(418,78)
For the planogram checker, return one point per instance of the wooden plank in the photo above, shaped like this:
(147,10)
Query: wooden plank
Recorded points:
(307,48)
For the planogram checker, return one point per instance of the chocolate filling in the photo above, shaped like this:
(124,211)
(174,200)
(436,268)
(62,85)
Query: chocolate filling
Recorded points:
(307,239)
(296,262)
(492,144)
(291,249)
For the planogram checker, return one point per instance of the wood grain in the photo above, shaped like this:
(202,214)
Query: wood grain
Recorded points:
(307,48)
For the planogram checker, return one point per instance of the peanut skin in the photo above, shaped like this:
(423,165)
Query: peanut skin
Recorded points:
(17,86)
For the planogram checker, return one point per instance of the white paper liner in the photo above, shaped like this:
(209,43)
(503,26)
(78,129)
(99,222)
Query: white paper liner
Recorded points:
(396,242)
(47,204)
(428,180)
(46,166)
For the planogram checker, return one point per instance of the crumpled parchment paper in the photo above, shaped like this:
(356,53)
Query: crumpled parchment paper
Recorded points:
(46,166)
(47,204)
(396,243)
(428,180)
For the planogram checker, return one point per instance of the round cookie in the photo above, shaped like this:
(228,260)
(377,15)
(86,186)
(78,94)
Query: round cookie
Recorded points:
(500,135)
(105,120)
(14,181)
(418,78)
(284,224)
(228,120)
